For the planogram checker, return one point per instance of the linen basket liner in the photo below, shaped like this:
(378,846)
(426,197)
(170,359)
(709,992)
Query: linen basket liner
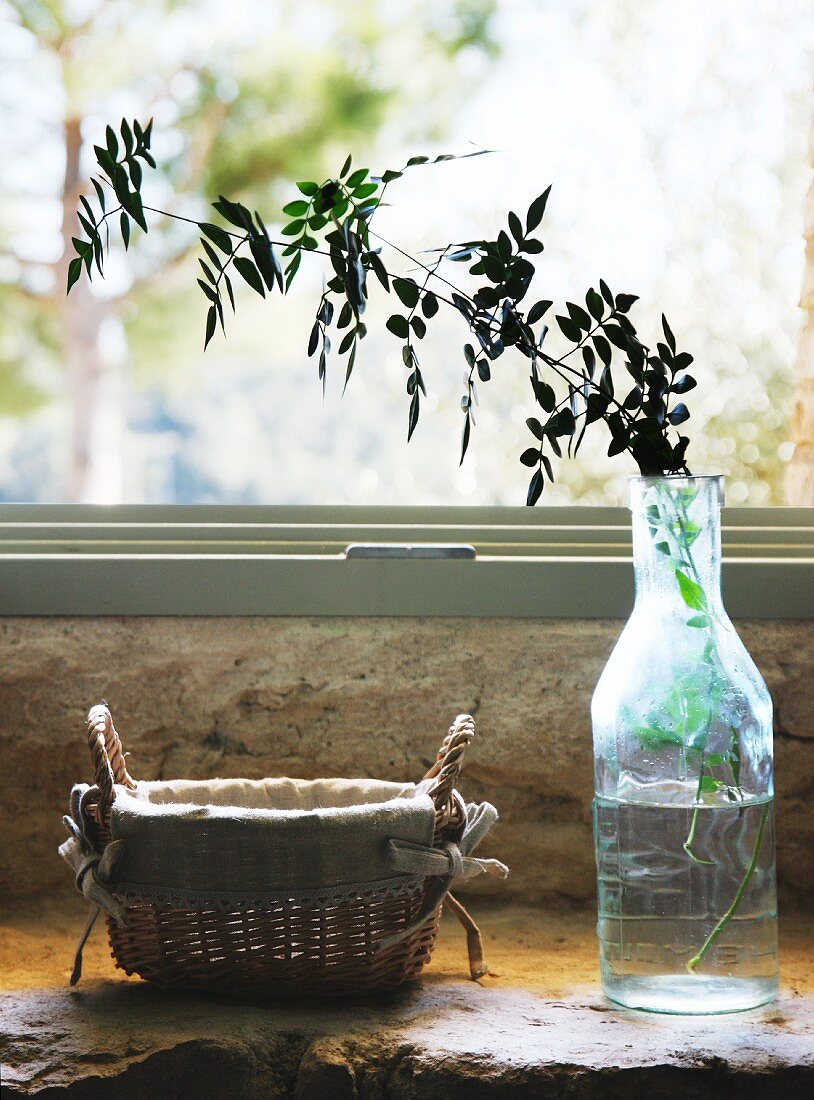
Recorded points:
(198,855)
(236,844)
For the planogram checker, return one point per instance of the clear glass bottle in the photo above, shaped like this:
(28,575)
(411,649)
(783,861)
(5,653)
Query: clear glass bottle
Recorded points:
(684,812)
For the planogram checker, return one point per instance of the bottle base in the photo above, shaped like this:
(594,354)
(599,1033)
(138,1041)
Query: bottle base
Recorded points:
(691,994)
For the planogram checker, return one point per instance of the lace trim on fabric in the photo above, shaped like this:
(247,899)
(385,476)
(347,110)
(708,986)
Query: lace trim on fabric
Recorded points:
(402,886)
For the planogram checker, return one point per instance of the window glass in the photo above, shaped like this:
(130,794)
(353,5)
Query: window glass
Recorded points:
(675,137)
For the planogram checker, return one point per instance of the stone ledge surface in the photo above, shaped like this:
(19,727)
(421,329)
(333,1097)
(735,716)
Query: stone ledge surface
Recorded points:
(538,1027)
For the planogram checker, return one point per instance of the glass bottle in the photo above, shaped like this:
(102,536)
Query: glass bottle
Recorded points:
(684,812)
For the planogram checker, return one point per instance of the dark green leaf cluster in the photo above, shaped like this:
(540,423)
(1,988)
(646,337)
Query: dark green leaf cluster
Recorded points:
(119,161)
(260,269)
(607,375)
(638,416)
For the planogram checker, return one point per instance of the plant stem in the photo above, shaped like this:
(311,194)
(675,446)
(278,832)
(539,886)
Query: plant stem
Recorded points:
(694,822)
(696,960)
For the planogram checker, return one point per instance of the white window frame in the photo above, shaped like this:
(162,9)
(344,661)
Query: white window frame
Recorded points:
(569,562)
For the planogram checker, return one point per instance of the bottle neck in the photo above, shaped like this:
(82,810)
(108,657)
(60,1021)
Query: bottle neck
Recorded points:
(677,542)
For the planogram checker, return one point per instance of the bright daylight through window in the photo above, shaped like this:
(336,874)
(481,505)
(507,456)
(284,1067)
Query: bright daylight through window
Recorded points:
(684,185)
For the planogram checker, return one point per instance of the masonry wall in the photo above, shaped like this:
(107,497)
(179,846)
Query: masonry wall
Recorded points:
(308,697)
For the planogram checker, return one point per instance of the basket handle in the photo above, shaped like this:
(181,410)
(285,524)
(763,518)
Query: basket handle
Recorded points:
(447,768)
(107,756)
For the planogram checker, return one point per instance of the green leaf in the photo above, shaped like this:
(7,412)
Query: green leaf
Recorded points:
(429,304)
(250,274)
(515,228)
(418,327)
(207,272)
(465,437)
(211,323)
(229,290)
(399,327)
(546,397)
(407,290)
(209,291)
(531,456)
(668,334)
(537,210)
(219,236)
(381,274)
(698,621)
(293,229)
(111,142)
(99,193)
(365,190)
(214,258)
(131,201)
(655,736)
(603,348)
(691,592)
(308,187)
(296,208)
(616,336)
(685,383)
(413,417)
(261,251)
(536,486)
(233,212)
(88,209)
(537,311)
(124,223)
(535,427)
(135,173)
(717,759)
(313,340)
(579,316)
(346,166)
(292,270)
(708,783)
(74,271)
(127,136)
(570,329)
(596,307)
(625,301)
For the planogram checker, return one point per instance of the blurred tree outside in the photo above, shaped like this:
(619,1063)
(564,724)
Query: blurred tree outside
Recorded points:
(675,137)
(243,96)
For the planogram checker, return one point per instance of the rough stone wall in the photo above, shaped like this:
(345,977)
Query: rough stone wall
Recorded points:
(306,697)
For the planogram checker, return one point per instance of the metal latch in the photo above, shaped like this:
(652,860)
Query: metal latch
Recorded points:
(395,550)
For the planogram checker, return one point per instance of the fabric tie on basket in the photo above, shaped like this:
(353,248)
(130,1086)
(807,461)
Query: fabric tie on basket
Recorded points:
(451,860)
(444,865)
(93,871)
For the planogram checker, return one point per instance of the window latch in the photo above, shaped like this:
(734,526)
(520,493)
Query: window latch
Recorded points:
(396,550)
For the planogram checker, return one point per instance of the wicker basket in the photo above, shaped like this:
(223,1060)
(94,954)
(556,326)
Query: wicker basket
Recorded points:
(360,945)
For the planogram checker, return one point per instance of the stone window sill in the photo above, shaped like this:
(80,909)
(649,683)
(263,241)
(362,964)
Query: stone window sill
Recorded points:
(537,1027)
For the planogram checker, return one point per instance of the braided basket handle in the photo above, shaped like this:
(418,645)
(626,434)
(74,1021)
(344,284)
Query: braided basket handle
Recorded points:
(107,756)
(449,807)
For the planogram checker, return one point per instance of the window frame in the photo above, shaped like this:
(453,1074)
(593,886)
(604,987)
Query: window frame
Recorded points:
(553,562)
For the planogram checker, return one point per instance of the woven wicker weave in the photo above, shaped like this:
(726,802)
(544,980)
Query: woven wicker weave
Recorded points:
(325,949)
